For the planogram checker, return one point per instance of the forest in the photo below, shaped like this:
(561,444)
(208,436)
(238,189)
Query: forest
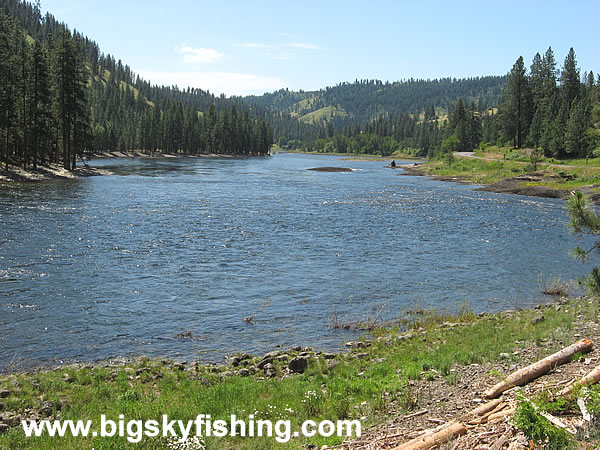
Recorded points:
(555,111)
(61,98)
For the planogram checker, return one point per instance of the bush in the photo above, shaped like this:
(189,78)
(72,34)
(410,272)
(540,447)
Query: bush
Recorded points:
(539,429)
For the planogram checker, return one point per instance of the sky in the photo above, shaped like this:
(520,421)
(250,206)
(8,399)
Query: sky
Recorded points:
(252,47)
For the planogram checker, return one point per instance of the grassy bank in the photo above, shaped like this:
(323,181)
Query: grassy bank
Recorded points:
(370,382)
(496,164)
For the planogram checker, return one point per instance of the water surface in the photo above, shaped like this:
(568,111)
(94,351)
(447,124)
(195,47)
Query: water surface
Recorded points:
(121,264)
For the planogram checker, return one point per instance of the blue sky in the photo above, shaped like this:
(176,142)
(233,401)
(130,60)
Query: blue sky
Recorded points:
(251,47)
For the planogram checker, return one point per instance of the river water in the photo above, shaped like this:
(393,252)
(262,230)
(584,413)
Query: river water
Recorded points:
(122,264)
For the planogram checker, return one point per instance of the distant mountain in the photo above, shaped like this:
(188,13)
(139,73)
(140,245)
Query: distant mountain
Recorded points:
(365,100)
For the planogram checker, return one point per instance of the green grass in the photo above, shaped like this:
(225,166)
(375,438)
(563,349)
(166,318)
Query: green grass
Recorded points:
(326,113)
(477,171)
(355,388)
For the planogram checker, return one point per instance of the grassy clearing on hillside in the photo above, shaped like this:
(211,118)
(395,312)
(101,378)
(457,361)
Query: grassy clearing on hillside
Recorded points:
(361,384)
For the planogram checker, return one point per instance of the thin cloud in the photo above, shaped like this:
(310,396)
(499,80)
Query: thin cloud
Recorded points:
(282,56)
(304,45)
(199,55)
(252,45)
(228,83)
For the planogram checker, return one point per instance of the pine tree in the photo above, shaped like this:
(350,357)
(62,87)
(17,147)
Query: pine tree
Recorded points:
(516,111)
(569,79)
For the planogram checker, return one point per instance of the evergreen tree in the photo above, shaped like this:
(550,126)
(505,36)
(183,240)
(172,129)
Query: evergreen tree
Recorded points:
(569,79)
(516,111)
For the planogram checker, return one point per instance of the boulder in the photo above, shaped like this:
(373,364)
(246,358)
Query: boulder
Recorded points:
(298,364)
(264,362)
(270,370)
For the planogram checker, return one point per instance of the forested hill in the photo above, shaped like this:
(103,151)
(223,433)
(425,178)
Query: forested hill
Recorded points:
(364,100)
(61,96)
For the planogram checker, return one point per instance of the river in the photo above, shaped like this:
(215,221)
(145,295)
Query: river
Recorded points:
(247,254)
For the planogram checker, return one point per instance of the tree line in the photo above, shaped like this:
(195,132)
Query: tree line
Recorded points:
(551,109)
(557,112)
(61,97)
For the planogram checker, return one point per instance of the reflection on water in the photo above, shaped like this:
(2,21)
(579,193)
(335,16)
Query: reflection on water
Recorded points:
(121,264)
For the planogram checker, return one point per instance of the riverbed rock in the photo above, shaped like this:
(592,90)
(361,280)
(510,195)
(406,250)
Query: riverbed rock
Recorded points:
(244,373)
(4,393)
(298,364)
(142,370)
(331,363)
(3,428)
(178,366)
(264,362)
(358,344)
(538,319)
(328,355)
(296,348)
(269,370)
(405,337)
(273,354)
(46,408)
(67,378)
(10,418)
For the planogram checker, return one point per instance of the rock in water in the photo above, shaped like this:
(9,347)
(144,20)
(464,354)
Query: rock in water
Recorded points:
(331,169)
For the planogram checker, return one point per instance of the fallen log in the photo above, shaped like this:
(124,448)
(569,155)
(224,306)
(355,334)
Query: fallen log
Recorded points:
(543,366)
(591,378)
(451,430)
(500,415)
(484,417)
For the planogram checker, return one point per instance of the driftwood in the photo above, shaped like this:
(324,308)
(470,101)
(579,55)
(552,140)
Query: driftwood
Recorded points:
(497,410)
(449,430)
(429,439)
(584,411)
(591,378)
(543,366)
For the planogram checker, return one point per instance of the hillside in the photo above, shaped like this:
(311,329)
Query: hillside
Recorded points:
(68,98)
(362,100)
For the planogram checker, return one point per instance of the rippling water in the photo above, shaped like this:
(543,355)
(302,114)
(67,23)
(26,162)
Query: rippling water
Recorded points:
(119,265)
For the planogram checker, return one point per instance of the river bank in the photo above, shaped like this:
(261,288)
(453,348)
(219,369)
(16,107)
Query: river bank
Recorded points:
(50,172)
(544,184)
(58,172)
(395,383)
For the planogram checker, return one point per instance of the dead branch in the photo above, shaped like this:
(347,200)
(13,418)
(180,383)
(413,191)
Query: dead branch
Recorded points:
(419,413)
